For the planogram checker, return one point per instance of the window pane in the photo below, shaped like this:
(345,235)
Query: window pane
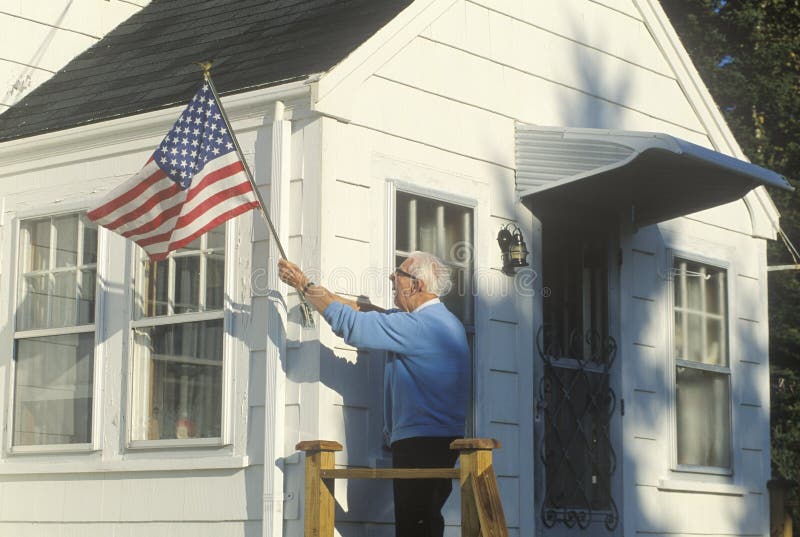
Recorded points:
(694,338)
(426,227)
(178,375)
(86,296)
(192,246)
(216,238)
(38,247)
(89,242)
(715,343)
(187,284)
(215,281)
(64,304)
(703,418)
(574,267)
(456,237)
(53,390)
(66,228)
(679,340)
(406,228)
(694,296)
(154,282)
(32,312)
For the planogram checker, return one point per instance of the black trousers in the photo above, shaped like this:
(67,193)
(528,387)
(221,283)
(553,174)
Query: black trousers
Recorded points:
(418,502)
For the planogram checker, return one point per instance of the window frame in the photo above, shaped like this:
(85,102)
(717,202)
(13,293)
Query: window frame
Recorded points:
(393,186)
(227,419)
(97,327)
(674,362)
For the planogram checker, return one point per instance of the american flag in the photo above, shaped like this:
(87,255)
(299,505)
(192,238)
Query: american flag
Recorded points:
(193,182)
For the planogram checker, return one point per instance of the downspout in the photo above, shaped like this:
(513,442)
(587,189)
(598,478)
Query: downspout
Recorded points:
(274,401)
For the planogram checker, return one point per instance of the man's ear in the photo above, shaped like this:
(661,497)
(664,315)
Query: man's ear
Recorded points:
(419,285)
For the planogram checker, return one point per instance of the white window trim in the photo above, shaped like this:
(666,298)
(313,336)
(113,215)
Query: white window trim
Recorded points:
(683,469)
(228,351)
(97,327)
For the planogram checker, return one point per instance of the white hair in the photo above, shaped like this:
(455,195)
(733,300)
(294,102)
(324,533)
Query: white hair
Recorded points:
(431,270)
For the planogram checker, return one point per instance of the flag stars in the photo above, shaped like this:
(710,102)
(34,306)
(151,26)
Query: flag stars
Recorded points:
(199,136)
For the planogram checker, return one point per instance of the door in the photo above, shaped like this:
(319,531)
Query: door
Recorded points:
(576,418)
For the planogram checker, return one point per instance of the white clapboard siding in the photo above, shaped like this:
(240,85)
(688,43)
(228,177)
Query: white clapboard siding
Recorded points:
(519,46)
(584,21)
(146,529)
(125,497)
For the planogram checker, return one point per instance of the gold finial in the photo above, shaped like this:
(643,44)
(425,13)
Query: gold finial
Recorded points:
(205,66)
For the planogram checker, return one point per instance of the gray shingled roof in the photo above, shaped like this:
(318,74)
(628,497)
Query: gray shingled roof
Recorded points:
(147,62)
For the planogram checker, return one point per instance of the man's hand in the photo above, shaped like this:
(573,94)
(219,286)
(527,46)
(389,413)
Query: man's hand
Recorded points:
(290,274)
(317,296)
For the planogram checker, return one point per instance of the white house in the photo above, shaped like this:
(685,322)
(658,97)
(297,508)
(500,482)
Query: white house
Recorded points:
(625,371)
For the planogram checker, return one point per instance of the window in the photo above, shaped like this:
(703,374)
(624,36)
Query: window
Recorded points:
(702,370)
(444,230)
(177,339)
(54,337)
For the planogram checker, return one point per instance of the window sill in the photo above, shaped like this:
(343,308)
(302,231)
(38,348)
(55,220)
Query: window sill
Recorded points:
(176,443)
(125,465)
(701,487)
(52,449)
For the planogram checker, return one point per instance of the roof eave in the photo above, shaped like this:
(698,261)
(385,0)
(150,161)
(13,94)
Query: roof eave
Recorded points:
(135,132)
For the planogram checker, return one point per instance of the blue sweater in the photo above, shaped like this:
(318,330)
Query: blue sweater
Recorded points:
(428,370)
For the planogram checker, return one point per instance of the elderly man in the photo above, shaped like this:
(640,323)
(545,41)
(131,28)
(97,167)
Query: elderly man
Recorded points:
(426,379)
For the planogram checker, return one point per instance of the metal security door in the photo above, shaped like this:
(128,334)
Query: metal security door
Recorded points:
(576,406)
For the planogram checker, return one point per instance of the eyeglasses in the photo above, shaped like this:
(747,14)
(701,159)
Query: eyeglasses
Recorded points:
(401,272)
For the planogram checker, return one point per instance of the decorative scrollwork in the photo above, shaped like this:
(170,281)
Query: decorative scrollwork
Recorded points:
(578,403)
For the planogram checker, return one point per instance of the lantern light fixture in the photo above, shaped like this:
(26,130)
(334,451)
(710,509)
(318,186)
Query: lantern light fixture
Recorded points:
(513,248)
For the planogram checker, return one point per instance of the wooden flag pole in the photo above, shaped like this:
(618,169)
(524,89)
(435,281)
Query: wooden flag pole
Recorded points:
(305,307)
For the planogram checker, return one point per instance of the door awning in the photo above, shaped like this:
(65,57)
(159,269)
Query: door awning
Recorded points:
(653,176)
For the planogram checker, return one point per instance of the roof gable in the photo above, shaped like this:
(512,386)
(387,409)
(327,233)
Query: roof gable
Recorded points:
(147,62)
